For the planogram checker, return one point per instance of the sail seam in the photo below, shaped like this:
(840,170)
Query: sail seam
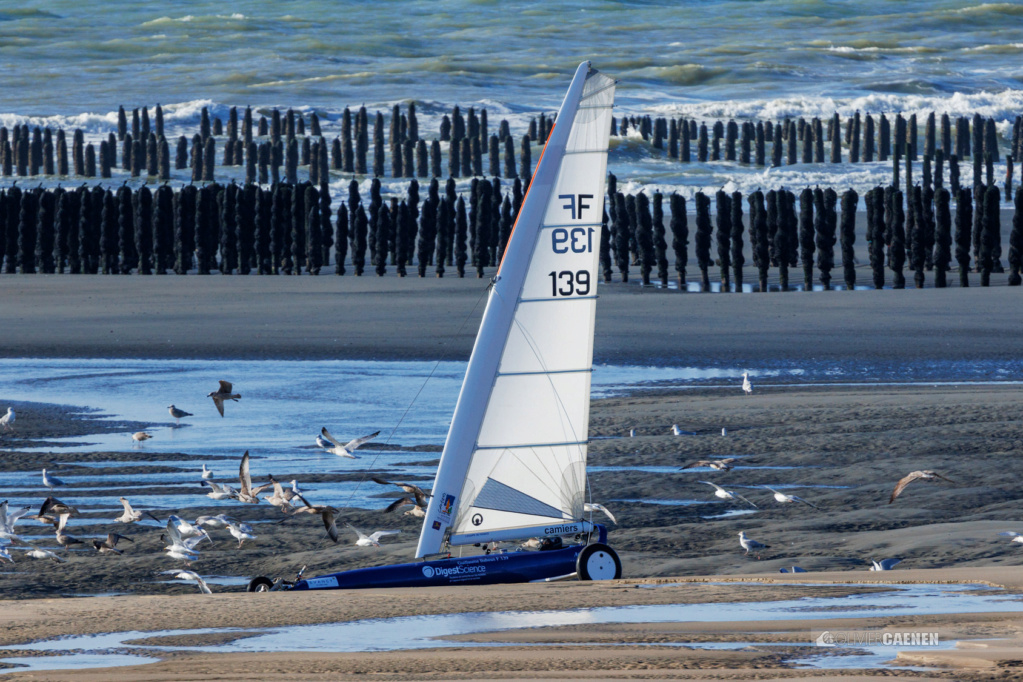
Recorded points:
(531,445)
(558,300)
(551,371)
(598,91)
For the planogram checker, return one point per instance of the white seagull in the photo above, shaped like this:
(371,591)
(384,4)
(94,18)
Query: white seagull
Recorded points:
(131,515)
(241,532)
(785,499)
(8,519)
(37,553)
(728,494)
(1016,537)
(7,419)
(747,387)
(218,521)
(594,507)
(186,529)
(750,544)
(217,491)
(207,474)
(5,555)
(190,575)
(348,448)
(52,482)
(371,540)
(884,564)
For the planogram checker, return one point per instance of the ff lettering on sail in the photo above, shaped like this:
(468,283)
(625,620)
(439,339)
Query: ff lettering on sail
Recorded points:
(514,463)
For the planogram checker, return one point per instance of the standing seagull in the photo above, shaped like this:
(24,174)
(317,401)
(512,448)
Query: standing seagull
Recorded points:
(7,419)
(140,437)
(785,499)
(750,544)
(728,494)
(225,392)
(747,387)
(348,448)
(909,478)
(51,482)
(177,413)
(207,474)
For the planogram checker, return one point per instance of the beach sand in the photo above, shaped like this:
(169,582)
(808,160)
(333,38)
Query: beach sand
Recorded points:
(853,441)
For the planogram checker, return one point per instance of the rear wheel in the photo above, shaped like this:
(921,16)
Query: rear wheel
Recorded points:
(598,562)
(260,584)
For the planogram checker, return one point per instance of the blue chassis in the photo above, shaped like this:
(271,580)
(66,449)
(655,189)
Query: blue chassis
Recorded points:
(483,569)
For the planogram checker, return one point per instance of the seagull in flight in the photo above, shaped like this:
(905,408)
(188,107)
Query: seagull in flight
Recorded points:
(109,546)
(8,519)
(1016,537)
(52,482)
(218,521)
(728,494)
(219,492)
(747,387)
(749,544)
(63,539)
(327,514)
(884,564)
(223,393)
(190,575)
(786,499)
(371,540)
(725,464)
(925,475)
(246,493)
(177,413)
(417,511)
(8,419)
(131,515)
(348,448)
(594,507)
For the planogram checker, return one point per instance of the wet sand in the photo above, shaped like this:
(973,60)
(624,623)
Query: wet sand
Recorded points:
(330,317)
(856,441)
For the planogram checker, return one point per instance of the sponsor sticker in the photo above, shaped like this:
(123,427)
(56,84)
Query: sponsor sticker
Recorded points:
(436,525)
(447,505)
(322,583)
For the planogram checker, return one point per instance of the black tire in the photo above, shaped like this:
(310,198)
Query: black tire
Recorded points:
(260,584)
(598,562)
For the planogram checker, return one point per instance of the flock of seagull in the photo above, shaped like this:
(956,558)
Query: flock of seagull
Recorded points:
(725,464)
(184,539)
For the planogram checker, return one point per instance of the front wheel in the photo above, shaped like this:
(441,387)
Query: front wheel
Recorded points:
(598,562)
(260,584)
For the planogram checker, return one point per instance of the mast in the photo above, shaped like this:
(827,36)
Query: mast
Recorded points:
(514,461)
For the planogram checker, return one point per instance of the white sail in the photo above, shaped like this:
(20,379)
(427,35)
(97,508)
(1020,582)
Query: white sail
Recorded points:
(514,463)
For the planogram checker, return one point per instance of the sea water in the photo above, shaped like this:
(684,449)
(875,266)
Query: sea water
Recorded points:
(70,64)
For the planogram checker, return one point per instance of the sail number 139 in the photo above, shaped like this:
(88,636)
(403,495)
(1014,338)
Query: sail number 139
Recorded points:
(569,283)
